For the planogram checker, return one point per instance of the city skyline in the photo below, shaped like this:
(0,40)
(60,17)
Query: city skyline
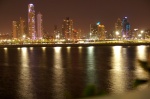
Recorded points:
(83,13)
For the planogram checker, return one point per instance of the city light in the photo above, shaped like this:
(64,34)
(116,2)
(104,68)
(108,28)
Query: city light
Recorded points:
(117,33)
(70,35)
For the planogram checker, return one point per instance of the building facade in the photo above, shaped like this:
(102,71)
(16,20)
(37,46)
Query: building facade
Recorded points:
(39,26)
(31,22)
(67,28)
(14,30)
(21,28)
(97,31)
(125,28)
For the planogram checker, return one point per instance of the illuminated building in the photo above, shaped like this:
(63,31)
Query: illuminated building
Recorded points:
(39,26)
(31,21)
(57,34)
(101,32)
(14,29)
(118,28)
(126,28)
(67,29)
(76,34)
(21,28)
(94,31)
(97,31)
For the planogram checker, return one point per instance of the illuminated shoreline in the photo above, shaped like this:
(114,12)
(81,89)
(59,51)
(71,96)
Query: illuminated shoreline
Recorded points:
(75,45)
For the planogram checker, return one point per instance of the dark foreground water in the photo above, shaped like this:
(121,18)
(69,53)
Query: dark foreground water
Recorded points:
(65,72)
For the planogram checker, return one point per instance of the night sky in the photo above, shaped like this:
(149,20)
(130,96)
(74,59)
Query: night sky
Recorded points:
(83,13)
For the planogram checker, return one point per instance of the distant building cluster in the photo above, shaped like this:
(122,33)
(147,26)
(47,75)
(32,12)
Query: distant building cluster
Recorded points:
(21,31)
(122,29)
(33,30)
(97,31)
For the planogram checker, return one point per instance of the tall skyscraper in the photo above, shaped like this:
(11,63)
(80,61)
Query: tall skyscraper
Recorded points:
(14,29)
(31,21)
(126,28)
(21,28)
(67,28)
(39,26)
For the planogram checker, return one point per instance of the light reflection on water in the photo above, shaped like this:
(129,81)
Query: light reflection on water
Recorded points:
(6,56)
(117,74)
(58,75)
(90,69)
(112,67)
(25,80)
(141,52)
(141,55)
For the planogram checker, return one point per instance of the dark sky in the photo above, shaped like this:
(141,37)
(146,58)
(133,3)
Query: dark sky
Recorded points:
(83,12)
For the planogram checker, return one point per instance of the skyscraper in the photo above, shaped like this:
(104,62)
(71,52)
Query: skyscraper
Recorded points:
(118,25)
(39,26)
(31,21)
(14,29)
(118,29)
(21,27)
(126,27)
(101,32)
(67,28)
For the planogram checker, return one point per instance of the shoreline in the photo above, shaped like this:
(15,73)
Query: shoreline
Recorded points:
(75,45)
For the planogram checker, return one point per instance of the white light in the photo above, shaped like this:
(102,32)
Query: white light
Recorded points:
(5,48)
(139,35)
(142,31)
(117,33)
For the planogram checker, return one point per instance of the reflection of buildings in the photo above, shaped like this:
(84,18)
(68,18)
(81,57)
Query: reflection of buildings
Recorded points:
(39,26)
(126,28)
(67,28)
(31,21)
(97,31)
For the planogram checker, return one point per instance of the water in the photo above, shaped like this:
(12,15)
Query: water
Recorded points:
(65,72)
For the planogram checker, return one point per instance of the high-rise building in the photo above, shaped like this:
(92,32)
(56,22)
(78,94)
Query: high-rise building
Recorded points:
(101,32)
(126,28)
(31,21)
(57,34)
(97,31)
(39,26)
(118,29)
(67,29)
(21,28)
(118,25)
(14,29)
(94,31)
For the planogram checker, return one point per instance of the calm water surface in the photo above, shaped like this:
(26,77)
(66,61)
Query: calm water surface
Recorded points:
(60,72)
